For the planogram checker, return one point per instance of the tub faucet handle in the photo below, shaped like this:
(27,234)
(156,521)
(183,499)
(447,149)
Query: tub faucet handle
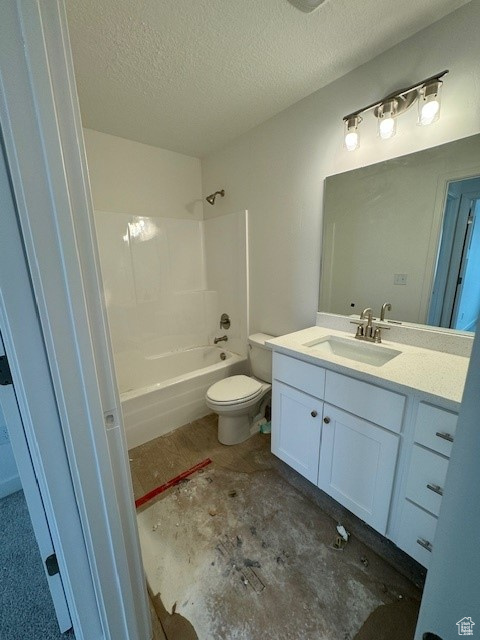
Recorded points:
(225,321)
(222,339)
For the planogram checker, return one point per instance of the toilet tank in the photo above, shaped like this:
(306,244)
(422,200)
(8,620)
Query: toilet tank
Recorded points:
(260,356)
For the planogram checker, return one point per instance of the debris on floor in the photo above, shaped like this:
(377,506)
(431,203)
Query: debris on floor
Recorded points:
(261,567)
(341,539)
(265,426)
(343,532)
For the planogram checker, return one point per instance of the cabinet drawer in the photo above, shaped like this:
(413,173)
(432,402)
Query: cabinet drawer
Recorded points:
(365,400)
(307,377)
(435,428)
(426,478)
(416,533)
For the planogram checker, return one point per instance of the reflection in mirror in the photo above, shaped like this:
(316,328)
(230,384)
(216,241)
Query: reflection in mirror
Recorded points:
(405,232)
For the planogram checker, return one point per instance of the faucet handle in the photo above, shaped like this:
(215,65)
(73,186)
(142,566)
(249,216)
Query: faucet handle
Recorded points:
(386,306)
(360,331)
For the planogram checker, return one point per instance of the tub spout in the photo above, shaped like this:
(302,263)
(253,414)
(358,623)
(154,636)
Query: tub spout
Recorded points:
(222,339)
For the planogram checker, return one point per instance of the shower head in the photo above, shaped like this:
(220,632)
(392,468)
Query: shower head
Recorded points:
(211,198)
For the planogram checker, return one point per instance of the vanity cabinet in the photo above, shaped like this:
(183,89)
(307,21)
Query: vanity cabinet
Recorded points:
(357,465)
(323,428)
(375,437)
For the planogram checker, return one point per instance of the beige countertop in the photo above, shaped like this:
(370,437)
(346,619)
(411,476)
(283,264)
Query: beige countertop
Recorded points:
(437,376)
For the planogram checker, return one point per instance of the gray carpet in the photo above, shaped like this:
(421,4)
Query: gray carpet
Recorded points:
(26,608)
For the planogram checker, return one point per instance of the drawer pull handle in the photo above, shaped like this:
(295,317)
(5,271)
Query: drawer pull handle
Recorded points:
(425,544)
(314,414)
(444,436)
(435,488)
(326,420)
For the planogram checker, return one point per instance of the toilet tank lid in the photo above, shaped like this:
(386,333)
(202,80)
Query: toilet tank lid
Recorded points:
(258,339)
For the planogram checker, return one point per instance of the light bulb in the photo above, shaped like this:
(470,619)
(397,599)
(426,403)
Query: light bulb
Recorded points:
(387,123)
(387,128)
(352,136)
(351,140)
(429,102)
(429,111)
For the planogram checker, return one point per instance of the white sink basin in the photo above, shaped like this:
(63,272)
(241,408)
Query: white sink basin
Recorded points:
(352,349)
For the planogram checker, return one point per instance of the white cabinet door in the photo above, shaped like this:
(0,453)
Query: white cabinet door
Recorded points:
(357,465)
(296,429)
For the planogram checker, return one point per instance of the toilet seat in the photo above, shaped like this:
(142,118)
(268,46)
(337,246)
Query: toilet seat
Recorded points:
(234,390)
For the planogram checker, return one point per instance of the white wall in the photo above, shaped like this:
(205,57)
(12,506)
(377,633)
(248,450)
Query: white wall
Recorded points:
(276,171)
(9,479)
(130,177)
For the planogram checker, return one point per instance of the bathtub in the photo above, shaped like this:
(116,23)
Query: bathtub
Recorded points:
(160,393)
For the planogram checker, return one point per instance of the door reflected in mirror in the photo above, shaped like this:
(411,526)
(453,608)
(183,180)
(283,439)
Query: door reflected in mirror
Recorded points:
(405,231)
(455,301)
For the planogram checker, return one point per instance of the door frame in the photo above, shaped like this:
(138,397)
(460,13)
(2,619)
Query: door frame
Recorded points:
(449,251)
(65,315)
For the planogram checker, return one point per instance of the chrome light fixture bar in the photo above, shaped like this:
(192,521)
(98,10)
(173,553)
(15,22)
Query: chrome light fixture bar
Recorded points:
(386,110)
(307,6)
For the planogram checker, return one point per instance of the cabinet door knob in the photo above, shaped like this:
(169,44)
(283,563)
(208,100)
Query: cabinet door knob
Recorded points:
(435,488)
(445,436)
(326,420)
(314,414)
(425,544)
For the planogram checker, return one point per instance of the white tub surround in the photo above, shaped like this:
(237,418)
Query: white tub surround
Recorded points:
(166,283)
(376,438)
(174,390)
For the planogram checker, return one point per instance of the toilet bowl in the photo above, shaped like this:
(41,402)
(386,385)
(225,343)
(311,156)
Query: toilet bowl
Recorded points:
(237,399)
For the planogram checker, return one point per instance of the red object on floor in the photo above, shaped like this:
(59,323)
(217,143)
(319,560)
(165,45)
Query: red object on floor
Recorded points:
(171,483)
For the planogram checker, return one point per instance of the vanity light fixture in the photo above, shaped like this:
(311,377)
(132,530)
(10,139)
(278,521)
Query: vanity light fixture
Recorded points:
(307,6)
(387,110)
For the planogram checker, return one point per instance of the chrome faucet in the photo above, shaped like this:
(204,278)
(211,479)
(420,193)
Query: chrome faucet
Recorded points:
(368,330)
(222,339)
(386,306)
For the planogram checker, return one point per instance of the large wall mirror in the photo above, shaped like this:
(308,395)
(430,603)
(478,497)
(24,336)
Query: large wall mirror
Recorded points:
(406,231)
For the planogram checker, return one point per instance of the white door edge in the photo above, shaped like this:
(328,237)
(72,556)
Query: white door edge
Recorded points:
(21,452)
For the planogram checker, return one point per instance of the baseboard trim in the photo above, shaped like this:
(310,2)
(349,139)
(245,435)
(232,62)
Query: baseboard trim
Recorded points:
(10,485)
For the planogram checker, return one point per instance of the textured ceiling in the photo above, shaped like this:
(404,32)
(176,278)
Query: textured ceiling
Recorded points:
(190,75)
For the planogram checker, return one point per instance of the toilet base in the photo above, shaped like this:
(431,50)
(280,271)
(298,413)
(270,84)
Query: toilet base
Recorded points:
(233,429)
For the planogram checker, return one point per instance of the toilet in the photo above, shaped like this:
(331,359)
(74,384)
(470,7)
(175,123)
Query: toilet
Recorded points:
(238,399)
